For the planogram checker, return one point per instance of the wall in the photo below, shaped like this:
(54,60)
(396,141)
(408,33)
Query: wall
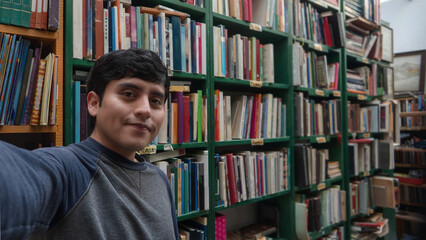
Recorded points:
(408,20)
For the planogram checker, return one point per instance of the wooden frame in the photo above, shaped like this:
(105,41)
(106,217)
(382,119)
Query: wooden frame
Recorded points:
(387,43)
(409,71)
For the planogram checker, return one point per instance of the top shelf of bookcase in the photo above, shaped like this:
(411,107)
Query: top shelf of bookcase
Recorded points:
(30,33)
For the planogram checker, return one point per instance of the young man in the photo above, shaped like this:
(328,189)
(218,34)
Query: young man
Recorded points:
(99,188)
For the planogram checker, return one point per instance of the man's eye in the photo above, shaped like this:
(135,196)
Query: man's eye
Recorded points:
(156,101)
(127,94)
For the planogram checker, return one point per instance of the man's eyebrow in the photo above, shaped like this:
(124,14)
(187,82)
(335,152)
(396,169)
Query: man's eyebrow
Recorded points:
(128,85)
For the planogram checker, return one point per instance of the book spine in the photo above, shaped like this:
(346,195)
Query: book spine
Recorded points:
(53,20)
(35,113)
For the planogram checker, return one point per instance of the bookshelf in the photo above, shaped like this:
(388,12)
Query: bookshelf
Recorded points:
(283,88)
(51,135)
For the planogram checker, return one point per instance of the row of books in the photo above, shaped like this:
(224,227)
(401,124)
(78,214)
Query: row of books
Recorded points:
(193,229)
(370,227)
(179,41)
(413,105)
(320,210)
(368,46)
(198,3)
(188,176)
(412,194)
(248,117)
(242,57)
(186,120)
(363,118)
(28,83)
(316,117)
(362,80)
(361,196)
(312,165)
(247,175)
(366,154)
(313,71)
(39,14)
(414,156)
(321,27)
(367,9)
(271,13)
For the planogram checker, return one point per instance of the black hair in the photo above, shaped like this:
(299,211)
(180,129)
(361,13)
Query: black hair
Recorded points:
(133,63)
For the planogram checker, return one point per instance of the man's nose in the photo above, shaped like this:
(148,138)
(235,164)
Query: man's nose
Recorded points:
(143,107)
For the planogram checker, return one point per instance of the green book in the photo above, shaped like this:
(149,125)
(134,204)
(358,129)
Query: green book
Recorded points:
(5,11)
(15,12)
(139,27)
(26,13)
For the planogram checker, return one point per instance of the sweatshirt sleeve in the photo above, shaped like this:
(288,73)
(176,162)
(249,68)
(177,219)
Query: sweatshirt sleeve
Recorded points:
(30,187)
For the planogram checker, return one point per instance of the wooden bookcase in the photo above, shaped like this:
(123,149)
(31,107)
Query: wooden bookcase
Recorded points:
(52,42)
(283,87)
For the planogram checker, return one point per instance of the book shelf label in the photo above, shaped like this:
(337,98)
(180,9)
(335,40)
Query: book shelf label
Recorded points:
(366,173)
(319,92)
(362,97)
(170,73)
(336,93)
(256,84)
(168,147)
(367,135)
(257,142)
(321,186)
(321,140)
(152,149)
(255,27)
(364,60)
(317,46)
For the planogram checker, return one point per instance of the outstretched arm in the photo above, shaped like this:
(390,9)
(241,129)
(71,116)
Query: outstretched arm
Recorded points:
(30,191)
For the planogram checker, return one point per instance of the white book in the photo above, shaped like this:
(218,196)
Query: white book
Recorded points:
(249,174)
(197,47)
(238,112)
(296,65)
(47,84)
(162,133)
(162,165)
(228,120)
(122,26)
(156,36)
(268,63)
(162,29)
(216,51)
(260,11)
(222,183)
(274,117)
(203,157)
(106,31)
(77,27)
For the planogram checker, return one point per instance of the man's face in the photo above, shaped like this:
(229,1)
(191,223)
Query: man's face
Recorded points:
(130,115)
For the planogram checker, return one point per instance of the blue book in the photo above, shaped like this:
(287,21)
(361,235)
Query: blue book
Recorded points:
(8,80)
(151,32)
(177,58)
(3,92)
(193,46)
(14,79)
(222,41)
(160,39)
(420,102)
(26,45)
(3,47)
(183,47)
(89,29)
(76,114)
(113,30)
(195,175)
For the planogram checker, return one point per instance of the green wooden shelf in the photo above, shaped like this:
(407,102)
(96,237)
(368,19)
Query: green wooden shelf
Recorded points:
(161,147)
(317,138)
(193,214)
(360,97)
(251,142)
(184,75)
(82,63)
(193,11)
(266,34)
(254,200)
(320,186)
(317,92)
(366,173)
(224,82)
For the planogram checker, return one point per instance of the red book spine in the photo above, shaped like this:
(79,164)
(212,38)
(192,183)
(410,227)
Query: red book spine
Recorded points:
(257,60)
(253,118)
(186,118)
(250,10)
(231,178)
(246,11)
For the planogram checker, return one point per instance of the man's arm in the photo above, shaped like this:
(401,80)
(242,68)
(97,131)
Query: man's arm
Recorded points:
(30,191)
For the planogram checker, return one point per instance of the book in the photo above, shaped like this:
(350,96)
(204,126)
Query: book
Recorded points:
(35,112)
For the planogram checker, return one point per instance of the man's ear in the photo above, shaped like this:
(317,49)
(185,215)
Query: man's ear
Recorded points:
(92,103)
